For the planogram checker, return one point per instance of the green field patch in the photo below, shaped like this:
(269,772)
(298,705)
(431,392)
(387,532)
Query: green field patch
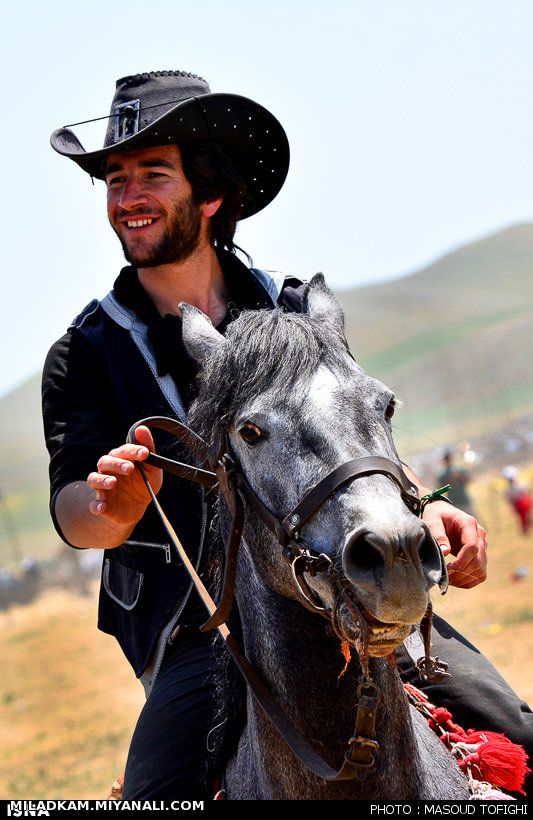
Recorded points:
(432,339)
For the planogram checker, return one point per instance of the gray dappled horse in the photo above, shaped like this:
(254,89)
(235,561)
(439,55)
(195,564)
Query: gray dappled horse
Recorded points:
(295,405)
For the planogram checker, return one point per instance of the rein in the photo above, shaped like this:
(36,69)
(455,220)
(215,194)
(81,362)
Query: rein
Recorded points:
(233,485)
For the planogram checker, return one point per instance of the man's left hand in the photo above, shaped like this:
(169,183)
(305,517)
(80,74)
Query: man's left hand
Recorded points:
(459,533)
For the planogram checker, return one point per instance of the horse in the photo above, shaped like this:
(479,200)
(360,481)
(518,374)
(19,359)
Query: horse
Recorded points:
(283,397)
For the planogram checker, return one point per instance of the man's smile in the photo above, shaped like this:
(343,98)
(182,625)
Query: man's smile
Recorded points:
(137,223)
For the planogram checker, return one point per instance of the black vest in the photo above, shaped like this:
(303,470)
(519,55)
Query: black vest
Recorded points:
(144,586)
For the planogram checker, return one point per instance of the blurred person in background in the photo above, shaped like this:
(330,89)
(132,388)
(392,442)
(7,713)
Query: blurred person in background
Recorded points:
(519,497)
(457,478)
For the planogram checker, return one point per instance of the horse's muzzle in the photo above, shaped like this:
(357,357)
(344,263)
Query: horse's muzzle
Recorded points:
(393,572)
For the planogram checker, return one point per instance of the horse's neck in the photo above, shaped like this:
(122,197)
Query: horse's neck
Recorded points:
(300,660)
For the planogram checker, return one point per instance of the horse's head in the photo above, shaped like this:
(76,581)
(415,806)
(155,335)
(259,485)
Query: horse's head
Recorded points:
(284,392)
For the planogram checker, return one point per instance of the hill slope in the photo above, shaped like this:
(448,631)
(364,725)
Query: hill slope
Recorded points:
(453,339)
(25,526)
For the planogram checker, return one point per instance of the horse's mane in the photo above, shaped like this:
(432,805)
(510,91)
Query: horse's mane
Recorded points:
(230,691)
(265,348)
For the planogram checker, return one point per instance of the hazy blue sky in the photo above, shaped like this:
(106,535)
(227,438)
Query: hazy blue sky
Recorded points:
(410,123)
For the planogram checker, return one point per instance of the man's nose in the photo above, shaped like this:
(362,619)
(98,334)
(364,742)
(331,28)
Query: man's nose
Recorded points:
(132,195)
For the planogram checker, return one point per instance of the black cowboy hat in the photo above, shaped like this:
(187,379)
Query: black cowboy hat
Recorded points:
(161,107)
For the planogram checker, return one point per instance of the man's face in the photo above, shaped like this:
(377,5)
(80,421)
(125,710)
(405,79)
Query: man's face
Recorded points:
(150,206)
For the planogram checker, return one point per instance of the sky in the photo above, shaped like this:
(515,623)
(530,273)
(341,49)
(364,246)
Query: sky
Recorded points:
(410,124)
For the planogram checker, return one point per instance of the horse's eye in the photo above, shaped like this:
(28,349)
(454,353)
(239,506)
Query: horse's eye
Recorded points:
(389,412)
(250,432)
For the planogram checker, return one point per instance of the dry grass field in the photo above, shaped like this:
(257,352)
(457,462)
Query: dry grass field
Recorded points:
(497,616)
(69,701)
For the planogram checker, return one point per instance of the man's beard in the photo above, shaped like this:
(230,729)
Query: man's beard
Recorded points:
(178,242)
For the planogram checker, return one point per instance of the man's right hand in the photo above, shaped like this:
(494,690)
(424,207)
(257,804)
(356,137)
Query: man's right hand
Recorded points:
(121,496)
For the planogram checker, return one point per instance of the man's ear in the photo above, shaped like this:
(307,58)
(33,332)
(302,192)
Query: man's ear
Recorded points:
(209,209)
(200,338)
(322,304)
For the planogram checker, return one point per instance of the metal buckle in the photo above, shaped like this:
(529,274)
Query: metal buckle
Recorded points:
(364,741)
(227,463)
(127,117)
(369,690)
(432,670)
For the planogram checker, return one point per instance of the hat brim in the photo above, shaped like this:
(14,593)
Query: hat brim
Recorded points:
(250,135)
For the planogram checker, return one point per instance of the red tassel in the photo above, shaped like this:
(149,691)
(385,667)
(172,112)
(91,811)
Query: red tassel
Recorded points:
(495,758)
(499,761)
(444,717)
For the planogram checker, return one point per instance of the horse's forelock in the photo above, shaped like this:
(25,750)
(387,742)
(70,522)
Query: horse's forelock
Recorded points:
(267,348)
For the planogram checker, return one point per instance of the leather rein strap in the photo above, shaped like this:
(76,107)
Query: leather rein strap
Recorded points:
(358,757)
(194,444)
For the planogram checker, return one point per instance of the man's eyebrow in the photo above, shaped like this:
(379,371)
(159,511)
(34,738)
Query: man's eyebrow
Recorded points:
(154,163)
(113,167)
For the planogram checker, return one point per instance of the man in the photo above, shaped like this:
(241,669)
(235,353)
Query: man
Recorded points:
(181,166)
(457,478)
(518,495)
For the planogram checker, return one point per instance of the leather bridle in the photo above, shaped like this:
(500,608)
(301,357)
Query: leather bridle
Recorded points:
(219,467)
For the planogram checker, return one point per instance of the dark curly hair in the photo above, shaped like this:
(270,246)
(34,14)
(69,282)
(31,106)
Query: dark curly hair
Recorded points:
(212,175)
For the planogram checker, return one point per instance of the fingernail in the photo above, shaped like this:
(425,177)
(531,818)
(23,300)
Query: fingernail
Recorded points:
(140,452)
(100,506)
(125,468)
(107,482)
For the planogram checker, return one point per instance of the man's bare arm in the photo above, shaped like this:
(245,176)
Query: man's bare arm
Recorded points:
(458,533)
(103,511)
(80,526)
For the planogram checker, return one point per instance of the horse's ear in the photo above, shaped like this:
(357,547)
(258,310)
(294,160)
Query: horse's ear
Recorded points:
(199,336)
(321,303)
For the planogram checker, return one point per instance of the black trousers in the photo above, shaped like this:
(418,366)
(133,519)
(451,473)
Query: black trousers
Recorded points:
(167,758)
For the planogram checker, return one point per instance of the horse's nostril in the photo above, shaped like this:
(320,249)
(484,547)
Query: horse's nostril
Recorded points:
(427,550)
(363,560)
(430,556)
